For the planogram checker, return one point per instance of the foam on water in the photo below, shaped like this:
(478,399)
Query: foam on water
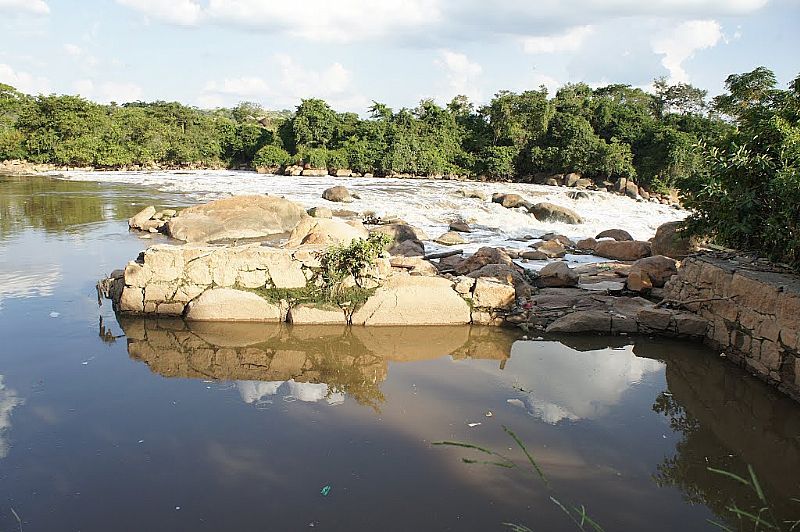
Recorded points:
(425,203)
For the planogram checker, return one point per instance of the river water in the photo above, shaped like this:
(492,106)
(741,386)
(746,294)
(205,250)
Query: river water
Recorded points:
(160,425)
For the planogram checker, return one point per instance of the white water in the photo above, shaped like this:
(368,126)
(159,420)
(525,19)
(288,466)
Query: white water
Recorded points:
(425,203)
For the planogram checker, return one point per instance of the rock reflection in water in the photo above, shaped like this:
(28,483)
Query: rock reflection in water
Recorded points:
(728,420)
(309,363)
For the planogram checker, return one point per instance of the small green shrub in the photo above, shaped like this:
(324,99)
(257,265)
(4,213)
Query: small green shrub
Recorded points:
(339,262)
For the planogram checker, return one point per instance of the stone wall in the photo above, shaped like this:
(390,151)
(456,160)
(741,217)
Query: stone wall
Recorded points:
(257,283)
(754,315)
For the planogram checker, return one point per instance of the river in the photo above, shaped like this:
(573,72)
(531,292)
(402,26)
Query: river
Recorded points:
(162,425)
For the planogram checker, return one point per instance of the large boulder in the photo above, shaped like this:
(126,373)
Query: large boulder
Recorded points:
(414,300)
(408,248)
(658,269)
(400,231)
(617,234)
(557,275)
(549,212)
(672,242)
(226,304)
(582,321)
(450,238)
(625,250)
(326,231)
(338,194)
(494,293)
(481,258)
(509,274)
(552,248)
(510,201)
(237,217)
(138,220)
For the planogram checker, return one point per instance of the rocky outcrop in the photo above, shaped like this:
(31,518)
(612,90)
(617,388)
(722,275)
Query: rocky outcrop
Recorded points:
(226,304)
(549,212)
(754,311)
(237,217)
(510,201)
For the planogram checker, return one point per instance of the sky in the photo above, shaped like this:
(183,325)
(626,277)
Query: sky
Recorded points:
(211,53)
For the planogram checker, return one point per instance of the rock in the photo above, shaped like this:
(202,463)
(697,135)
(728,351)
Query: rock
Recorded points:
(638,281)
(337,194)
(510,274)
(314,172)
(658,269)
(414,300)
(340,172)
(226,304)
(557,275)
(534,254)
(237,217)
(313,315)
(510,201)
(320,212)
(552,248)
(460,226)
(564,241)
(548,212)
(583,183)
(572,179)
(626,250)
(408,248)
(655,318)
(582,321)
(450,238)
(481,258)
(617,234)
(474,193)
(671,242)
(138,219)
(400,231)
(587,244)
(577,195)
(493,293)
(626,187)
(326,231)
(552,182)
(414,265)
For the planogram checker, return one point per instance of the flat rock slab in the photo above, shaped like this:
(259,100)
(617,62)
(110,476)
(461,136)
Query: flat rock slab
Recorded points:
(226,304)
(238,217)
(414,300)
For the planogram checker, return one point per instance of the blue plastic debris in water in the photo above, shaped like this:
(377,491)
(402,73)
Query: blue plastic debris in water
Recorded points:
(325,491)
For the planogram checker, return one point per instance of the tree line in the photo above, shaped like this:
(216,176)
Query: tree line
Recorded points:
(735,157)
(613,131)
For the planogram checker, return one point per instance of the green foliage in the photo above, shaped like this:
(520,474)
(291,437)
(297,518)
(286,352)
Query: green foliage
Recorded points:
(746,195)
(313,157)
(340,262)
(270,157)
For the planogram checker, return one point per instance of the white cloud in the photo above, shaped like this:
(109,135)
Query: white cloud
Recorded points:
(8,402)
(569,41)
(73,49)
(462,75)
(179,12)
(681,43)
(291,83)
(108,91)
(23,81)
(34,7)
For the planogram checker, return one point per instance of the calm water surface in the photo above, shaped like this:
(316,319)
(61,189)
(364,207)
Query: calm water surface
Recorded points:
(160,425)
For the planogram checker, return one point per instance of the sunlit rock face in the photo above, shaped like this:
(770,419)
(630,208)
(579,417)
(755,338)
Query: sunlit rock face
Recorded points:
(8,402)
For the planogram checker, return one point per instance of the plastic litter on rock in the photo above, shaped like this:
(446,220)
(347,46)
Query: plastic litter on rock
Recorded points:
(325,491)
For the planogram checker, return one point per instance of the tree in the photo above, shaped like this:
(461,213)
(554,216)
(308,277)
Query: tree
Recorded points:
(314,124)
(681,98)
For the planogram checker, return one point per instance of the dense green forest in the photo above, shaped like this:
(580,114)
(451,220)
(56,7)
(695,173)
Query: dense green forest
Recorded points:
(608,132)
(735,158)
